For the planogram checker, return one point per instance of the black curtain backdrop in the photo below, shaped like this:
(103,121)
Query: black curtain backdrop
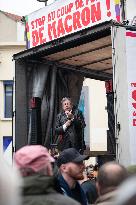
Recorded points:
(50,84)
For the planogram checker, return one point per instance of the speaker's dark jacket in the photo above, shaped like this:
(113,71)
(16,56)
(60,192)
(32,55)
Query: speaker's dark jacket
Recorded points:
(73,136)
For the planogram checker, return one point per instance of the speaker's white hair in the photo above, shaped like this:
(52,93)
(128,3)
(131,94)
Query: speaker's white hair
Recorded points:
(65,98)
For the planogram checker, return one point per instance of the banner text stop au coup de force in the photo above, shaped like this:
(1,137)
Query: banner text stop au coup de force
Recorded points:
(62,18)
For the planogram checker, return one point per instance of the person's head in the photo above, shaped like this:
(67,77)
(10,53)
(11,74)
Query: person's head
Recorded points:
(110,176)
(32,159)
(126,194)
(71,163)
(66,104)
(10,184)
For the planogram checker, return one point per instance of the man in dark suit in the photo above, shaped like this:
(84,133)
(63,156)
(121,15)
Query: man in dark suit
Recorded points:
(70,126)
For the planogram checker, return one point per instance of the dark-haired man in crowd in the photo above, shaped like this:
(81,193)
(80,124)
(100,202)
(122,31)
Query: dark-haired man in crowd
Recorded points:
(70,126)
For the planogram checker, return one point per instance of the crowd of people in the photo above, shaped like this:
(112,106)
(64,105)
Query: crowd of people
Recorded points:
(38,178)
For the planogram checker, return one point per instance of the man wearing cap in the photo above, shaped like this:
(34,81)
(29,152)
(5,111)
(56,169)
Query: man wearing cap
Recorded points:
(71,167)
(70,126)
(34,163)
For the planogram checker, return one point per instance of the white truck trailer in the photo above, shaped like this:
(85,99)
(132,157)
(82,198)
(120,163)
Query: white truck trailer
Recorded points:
(124,80)
(67,41)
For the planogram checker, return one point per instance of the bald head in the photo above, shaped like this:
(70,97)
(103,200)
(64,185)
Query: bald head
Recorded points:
(110,176)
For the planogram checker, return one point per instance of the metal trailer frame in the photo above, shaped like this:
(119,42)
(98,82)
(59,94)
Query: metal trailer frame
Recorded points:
(38,55)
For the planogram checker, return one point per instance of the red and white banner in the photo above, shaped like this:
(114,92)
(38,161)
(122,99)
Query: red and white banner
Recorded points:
(131,78)
(131,75)
(66,17)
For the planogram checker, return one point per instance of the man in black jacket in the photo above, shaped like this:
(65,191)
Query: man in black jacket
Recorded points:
(70,126)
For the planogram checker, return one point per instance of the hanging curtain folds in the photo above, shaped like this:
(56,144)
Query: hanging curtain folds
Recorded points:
(50,84)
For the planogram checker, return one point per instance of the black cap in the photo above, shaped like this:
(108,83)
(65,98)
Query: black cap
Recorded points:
(70,155)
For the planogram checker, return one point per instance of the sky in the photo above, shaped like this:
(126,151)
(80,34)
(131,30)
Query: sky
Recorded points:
(25,7)
(20,7)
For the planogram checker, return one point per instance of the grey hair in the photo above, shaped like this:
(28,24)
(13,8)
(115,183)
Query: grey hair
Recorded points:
(65,98)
